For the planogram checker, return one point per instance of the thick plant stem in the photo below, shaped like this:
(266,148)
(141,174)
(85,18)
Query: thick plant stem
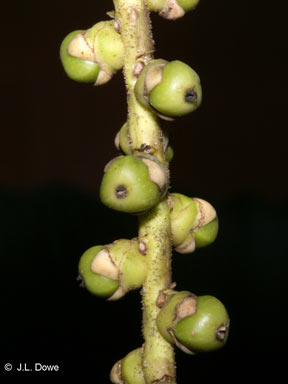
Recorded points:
(154,231)
(136,35)
(154,227)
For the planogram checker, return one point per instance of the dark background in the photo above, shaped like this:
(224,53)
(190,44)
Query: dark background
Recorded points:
(56,137)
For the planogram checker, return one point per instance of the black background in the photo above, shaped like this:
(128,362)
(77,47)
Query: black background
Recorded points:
(56,137)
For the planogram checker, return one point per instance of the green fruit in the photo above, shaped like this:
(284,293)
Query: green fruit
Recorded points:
(132,372)
(83,71)
(179,92)
(171,89)
(194,223)
(207,329)
(207,234)
(188,5)
(97,284)
(127,186)
(101,46)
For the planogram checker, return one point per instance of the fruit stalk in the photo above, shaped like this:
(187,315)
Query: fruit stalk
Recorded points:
(154,227)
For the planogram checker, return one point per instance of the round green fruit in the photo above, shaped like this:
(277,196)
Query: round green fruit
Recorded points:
(194,223)
(178,93)
(95,283)
(127,186)
(207,329)
(83,71)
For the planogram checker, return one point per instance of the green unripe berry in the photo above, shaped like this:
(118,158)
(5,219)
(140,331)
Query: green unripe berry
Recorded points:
(179,91)
(207,329)
(132,184)
(132,372)
(194,223)
(83,71)
(194,324)
(101,45)
(95,283)
(170,89)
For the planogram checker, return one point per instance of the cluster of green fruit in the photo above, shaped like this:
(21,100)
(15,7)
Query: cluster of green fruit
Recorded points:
(94,55)
(111,271)
(194,324)
(136,181)
(170,89)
